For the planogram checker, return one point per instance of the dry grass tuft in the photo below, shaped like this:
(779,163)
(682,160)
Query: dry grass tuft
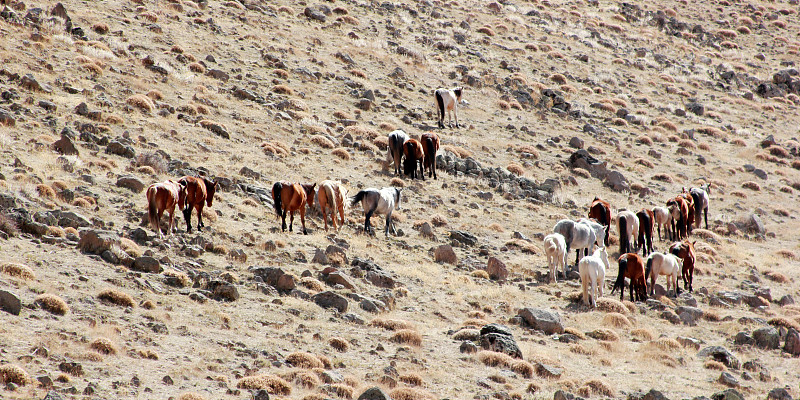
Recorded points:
(10,373)
(103,345)
(114,296)
(339,344)
(516,169)
(495,359)
(100,28)
(714,365)
(480,274)
(607,304)
(411,379)
(52,304)
(410,394)
(312,284)
(523,368)
(342,153)
(19,271)
(407,336)
(282,89)
(784,322)
(596,387)
(616,320)
(752,186)
(45,192)
(392,324)
(197,68)
(667,344)
(578,348)
(322,141)
(604,334)
(576,332)
(147,354)
(643,334)
(304,360)
(777,277)
(273,384)
(180,279)
(486,31)
(559,79)
(141,102)
(191,396)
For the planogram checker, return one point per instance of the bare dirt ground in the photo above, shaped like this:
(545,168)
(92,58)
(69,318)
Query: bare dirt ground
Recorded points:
(670,94)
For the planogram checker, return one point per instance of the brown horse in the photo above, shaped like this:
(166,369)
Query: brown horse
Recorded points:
(430,145)
(690,208)
(199,191)
(412,149)
(685,251)
(631,266)
(290,197)
(601,211)
(646,219)
(331,194)
(164,196)
(680,215)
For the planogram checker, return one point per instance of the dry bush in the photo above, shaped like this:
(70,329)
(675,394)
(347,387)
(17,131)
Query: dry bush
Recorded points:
(339,344)
(191,396)
(604,334)
(667,344)
(468,334)
(704,146)
(411,379)
(181,279)
(712,131)
(581,173)
(459,151)
(668,125)
(322,141)
(149,16)
(197,68)
(480,274)
(663,178)
(407,336)
(787,254)
(409,394)
(495,359)
(596,387)
(645,162)
(130,247)
(342,153)
(523,368)
(304,360)
(52,304)
(8,225)
(686,143)
(714,365)
(607,304)
(578,348)
(103,345)
(381,143)
(503,105)
(342,115)
(10,373)
(277,149)
(273,384)
(516,169)
(147,354)
(306,379)
(152,160)
(778,151)
(339,390)
(573,331)
(45,192)
(711,315)
(752,186)
(114,296)
(559,79)
(392,324)
(311,283)
(619,122)
(282,89)
(784,322)
(486,31)
(17,271)
(645,140)
(141,102)
(616,320)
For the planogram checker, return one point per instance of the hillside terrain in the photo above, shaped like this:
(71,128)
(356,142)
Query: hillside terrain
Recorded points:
(98,100)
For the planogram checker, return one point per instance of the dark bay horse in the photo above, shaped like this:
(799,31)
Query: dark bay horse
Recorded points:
(600,210)
(290,197)
(414,153)
(646,219)
(430,145)
(631,266)
(685,251)
(160,197)
(396,140)
(199,191)
(680,215)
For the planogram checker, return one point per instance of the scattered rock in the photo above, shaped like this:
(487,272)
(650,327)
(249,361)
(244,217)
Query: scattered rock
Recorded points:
(468,347)
(337,278)
(616,181)
(582,159)
(548,371)
(147,264)
(562,395)
(720,354)
(792,344)
(766,338)
(496,269)
(330,299)
(9,302)
(53,395)
(689,315)
(548,321)
(286,283)
(30,83)
(224,291)
(374,393)
(779,394)
(445,254)
(261,394)
(120,149)
(727,379)
(96,242)
(463,237)
(131,183)
(218,74)
(314,14)
(65,145)
(576,142)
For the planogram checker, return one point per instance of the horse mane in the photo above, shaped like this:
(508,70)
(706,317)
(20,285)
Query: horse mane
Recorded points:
(276,196)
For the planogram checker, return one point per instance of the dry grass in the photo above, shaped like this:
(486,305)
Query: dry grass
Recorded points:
(784,322)
(10,373)
(752,186)
(45,192)
(607,304)
(480,274)
(197,68)
(304,360)
(117,297)
(411,379)
(523,368)
(282,89)
(392,324)
(397,182)
(52,304)
(339,344)
(616,320)
(667,344)
(578,348)
(604,334)
(495,359)
(104,346)
(714,365)
(410,394)
(19,271)
(141,102)
(273,384)
(147,354)
(407,336)
(342,153)
(516,169)
(181,279)
(322,141)
(191,396)
(596,387)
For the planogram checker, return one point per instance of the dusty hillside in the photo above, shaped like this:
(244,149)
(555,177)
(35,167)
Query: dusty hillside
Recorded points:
(101,99)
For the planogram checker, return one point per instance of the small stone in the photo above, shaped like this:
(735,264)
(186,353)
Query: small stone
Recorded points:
(576,142)
(374,393)
(131,183)
(548,321)
(445,254)
(496,269)
(766,338)
(261,395)
(10,302)
(147,264)
(727,379)
(779,394)
(329,299)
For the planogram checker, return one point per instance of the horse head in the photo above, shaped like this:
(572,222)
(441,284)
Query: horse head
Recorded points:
(309,189)
(181,185)
(211,188)
(602,252)
(458,91)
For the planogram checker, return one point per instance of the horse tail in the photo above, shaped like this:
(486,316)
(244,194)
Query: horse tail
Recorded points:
(276,196)
(358,197)
(649,267)
(331,198)
(152,211)
(620,282)
(430,151)
(623,234)
(440,104)
(698,207)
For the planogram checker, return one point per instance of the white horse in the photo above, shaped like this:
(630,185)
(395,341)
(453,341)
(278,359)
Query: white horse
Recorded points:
(396,140)
(447,100)
(631,231)
(593,271)
(555,247)
(663,218)
(663,264)
(700,197)
(599,230)
(382,201)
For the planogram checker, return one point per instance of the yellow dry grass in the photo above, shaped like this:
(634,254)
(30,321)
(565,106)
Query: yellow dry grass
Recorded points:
(116,297)
(19,271)
(11,373)
(52,304)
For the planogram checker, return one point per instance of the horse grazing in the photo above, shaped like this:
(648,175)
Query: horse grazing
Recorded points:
(412,149)
(600,210)
(290,197)
(662,264)
(646,219)
(164,196)
(689,211)
(199,191)
(396,140)
(599,231)
(382,201)
(680,215)
(556,250)
(700,196)
(593,271)
(331,194)
(685,251)
(430,145)
(662,218)
(576,235)
(447,100)
(631,266)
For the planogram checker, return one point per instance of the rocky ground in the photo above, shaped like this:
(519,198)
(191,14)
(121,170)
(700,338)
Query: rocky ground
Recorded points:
(101,99)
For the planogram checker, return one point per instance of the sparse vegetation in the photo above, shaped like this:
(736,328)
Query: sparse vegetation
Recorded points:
(52,304)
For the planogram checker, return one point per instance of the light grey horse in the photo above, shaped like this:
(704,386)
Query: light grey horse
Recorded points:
(396,140)
(382,201)
(577,236)
(599,230)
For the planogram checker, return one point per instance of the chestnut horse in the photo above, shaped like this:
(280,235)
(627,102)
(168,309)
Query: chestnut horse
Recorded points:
(646,219)
(430,145)
(291,197)
(631,266)
(685,251)
(331,194)
(600,210)
(680,215)
(199,190)
(164,196)
(412,149)
(690,211)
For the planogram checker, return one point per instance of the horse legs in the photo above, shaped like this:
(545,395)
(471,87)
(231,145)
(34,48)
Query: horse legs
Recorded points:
(325,216)
(158,222)
(303,218)
(187,215)
(594,291)
(200,223)
(577,256)
(367,225)
(584,289)
(455,113)
(283,221)
(705,216)
(422,168)
(390,224)
(291,220)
